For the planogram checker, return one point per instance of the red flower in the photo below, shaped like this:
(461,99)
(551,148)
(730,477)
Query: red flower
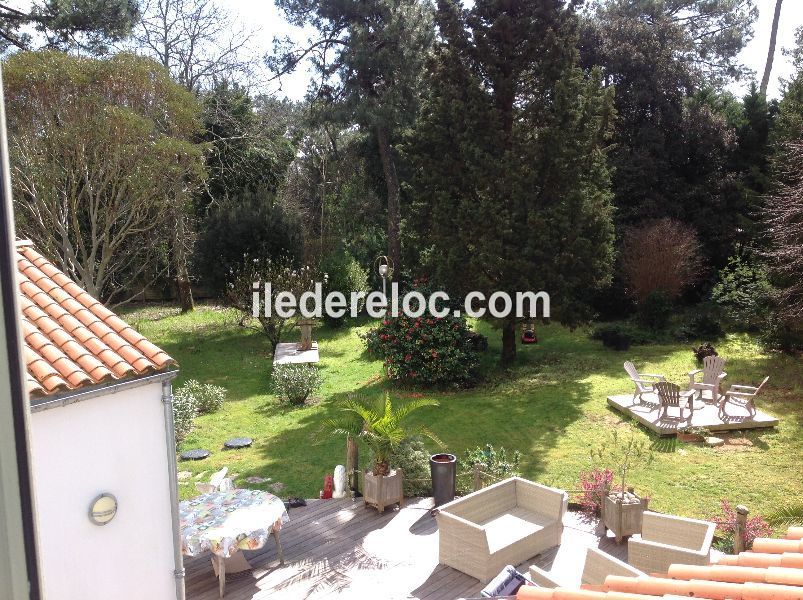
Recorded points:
(407,358)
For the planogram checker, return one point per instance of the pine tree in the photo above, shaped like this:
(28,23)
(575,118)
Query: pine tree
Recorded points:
(369,56)
(512,186)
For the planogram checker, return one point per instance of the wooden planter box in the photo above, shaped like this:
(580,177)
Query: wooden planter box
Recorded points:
(379,491)
(623,515)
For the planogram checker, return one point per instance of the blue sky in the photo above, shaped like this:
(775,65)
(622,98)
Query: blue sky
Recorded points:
(262,14)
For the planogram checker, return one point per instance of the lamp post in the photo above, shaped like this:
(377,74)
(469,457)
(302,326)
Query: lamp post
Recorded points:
(385,270)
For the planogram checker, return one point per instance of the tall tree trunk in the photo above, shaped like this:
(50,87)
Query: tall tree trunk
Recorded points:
(182,276)
(394,212)
(771,53)
(509,342)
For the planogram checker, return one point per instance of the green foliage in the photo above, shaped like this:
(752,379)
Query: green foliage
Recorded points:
(525,205)
(380,425)
(412,457)
(790,515)
(294,383)
(622,452)
(89,25)
(743,293)
(495,464)
(344,275)
(428,351)
(206,397)
(282,275)
(672,149)
(250,149)
(249,224)
(104,163)
(618,336)
(185,409)
(655,311)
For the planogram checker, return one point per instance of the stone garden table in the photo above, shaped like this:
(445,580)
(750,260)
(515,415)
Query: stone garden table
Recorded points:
(228,521)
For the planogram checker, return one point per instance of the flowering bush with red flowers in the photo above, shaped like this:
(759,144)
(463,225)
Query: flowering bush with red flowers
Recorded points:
(425,350)
(594,483)
(726,528)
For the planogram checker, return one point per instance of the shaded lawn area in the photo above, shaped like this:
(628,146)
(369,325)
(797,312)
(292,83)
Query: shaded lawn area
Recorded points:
(551,406)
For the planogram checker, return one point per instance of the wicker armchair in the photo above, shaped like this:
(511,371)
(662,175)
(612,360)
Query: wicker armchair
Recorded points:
(599,565)
(666,540)
(503,524)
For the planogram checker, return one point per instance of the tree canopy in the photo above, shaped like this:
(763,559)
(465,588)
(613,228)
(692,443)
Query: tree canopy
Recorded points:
(101,152)
(525,204)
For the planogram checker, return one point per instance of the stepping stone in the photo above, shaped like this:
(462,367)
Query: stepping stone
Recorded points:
(714,441)
(277,487)
(257,480)
(197,454)
(184,475)
(238,442)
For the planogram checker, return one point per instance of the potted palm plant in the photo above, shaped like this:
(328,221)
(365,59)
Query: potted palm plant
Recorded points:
(382,427)
(622,509)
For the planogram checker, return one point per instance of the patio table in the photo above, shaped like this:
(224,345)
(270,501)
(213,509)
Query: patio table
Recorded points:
(228,521)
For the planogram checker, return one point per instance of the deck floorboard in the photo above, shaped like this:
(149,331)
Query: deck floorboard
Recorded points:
(339,548)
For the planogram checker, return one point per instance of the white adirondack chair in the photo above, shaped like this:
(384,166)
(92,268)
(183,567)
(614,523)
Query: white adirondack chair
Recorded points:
(644,382)
(712,376)
(217,483)
(670,396)
(742,395)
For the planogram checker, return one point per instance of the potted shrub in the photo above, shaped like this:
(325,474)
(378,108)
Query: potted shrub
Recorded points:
(382,427)
(622,509)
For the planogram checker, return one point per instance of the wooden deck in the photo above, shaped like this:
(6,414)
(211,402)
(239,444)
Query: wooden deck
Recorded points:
(705,415)
(340,548)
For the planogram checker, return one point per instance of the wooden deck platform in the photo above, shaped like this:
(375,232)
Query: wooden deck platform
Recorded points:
(340,548)
(705,415)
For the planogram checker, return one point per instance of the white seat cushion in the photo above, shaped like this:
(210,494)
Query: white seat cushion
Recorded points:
(518,523)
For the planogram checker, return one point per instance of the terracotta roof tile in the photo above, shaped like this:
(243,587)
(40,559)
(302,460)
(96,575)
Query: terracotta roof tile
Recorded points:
(71,339)
(772,571)
(794,533)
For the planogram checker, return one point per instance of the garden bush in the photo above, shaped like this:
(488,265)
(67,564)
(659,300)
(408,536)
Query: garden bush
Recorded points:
(208,398)
(344,275)
(495,465)
(655,310)
(594,483)
(294,383)
(703,324)
(412,457)
(425,350)
(743,292)
(725,521)
(615,336)
(703,350)
(185,410)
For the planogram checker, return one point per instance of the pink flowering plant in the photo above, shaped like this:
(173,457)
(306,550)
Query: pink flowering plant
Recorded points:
(425,350)
(726,527)
(594,484)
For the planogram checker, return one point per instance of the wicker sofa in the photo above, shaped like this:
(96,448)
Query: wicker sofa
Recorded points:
(666,539)
(503,524)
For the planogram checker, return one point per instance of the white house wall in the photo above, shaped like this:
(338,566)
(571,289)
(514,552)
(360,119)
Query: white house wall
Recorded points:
(113,443)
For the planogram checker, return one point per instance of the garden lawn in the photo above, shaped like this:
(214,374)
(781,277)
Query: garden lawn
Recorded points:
(551,406)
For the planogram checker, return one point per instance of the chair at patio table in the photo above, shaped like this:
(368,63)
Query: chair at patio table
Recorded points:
(225,522)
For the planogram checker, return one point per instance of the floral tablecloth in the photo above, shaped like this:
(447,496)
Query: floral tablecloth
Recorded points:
(224,522)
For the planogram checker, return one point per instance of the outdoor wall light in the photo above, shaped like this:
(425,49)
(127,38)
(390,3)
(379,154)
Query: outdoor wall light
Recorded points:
(102,509)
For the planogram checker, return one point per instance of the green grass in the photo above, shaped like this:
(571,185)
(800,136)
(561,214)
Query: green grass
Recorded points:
(551,406)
